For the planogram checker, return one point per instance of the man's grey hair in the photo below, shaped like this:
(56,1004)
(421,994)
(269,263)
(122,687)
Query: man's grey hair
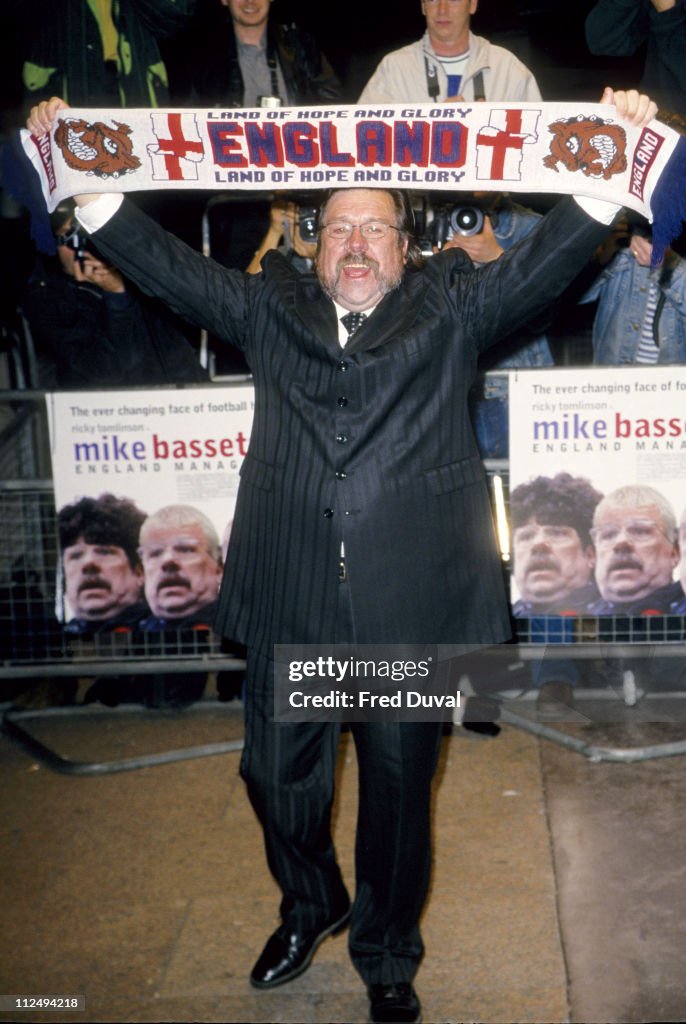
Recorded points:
(635,496)
(178,516)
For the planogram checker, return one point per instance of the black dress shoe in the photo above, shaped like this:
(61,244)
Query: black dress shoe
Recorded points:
(393,1004)
(288,953)
(489,729)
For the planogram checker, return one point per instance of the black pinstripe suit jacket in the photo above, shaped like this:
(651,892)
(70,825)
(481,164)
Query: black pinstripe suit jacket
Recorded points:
(370,445)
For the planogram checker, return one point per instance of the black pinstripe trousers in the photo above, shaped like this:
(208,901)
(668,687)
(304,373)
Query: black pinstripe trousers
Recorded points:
(289,771)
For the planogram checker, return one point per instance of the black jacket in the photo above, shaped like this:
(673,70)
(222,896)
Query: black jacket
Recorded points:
(657,602)
(216,80)
(620,28)
(371,445)
(85,337)
(576,603)
(63,56)
(125,621)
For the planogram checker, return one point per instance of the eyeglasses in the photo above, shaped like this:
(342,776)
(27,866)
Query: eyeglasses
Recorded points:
(525,536)
(182,550)
(639,531)
(340,230)
(432,2)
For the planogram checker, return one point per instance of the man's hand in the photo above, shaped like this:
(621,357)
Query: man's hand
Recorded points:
(41,120)
(95,271)
(281,212)
(481,248)
(642,250)
(631,105)
(663,5)
(44,114)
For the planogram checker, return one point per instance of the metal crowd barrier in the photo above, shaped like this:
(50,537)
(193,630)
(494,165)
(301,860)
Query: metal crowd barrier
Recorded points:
(31,641)
(33,644)
(627,645)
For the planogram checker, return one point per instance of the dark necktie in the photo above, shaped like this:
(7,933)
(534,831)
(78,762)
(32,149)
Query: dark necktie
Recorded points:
(351,322)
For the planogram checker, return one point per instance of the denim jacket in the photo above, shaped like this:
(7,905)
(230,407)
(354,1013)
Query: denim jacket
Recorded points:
(622,290)
(511,223)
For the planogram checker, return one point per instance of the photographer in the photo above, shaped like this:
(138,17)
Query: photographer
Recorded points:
(93,329)
(292,230)
(641,313)
(244,57)
(450,63)
(485,225)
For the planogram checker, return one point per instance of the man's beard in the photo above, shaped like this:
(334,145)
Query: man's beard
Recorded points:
(386,283)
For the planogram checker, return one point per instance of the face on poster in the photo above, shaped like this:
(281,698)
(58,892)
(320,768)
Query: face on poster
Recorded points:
(597,489)
(166,458)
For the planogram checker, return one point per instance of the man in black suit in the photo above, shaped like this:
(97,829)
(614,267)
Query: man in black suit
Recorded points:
(363,517)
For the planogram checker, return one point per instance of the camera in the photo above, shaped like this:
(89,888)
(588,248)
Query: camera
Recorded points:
(307,222)
(448,221)
(78,242)
(642,230)
(466,220)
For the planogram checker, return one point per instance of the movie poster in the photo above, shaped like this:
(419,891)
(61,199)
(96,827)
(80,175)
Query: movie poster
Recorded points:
(598,490)
(145,488)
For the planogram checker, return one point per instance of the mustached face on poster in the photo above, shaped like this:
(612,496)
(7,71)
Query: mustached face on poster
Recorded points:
(598,490)
(174,457)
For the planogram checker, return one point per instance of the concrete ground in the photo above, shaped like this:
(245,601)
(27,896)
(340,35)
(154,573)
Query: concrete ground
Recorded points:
(558,888)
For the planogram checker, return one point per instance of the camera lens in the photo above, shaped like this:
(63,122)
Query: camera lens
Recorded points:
(466,220)
(308,225)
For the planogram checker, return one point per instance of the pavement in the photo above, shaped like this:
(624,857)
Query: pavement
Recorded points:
(557,892)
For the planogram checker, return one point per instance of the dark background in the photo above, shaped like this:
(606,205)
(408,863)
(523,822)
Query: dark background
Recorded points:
(546,34)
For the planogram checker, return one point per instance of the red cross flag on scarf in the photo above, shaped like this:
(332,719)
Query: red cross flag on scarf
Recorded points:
(579,148)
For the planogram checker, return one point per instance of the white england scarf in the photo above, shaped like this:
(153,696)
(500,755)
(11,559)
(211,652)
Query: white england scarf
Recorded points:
(580,148)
